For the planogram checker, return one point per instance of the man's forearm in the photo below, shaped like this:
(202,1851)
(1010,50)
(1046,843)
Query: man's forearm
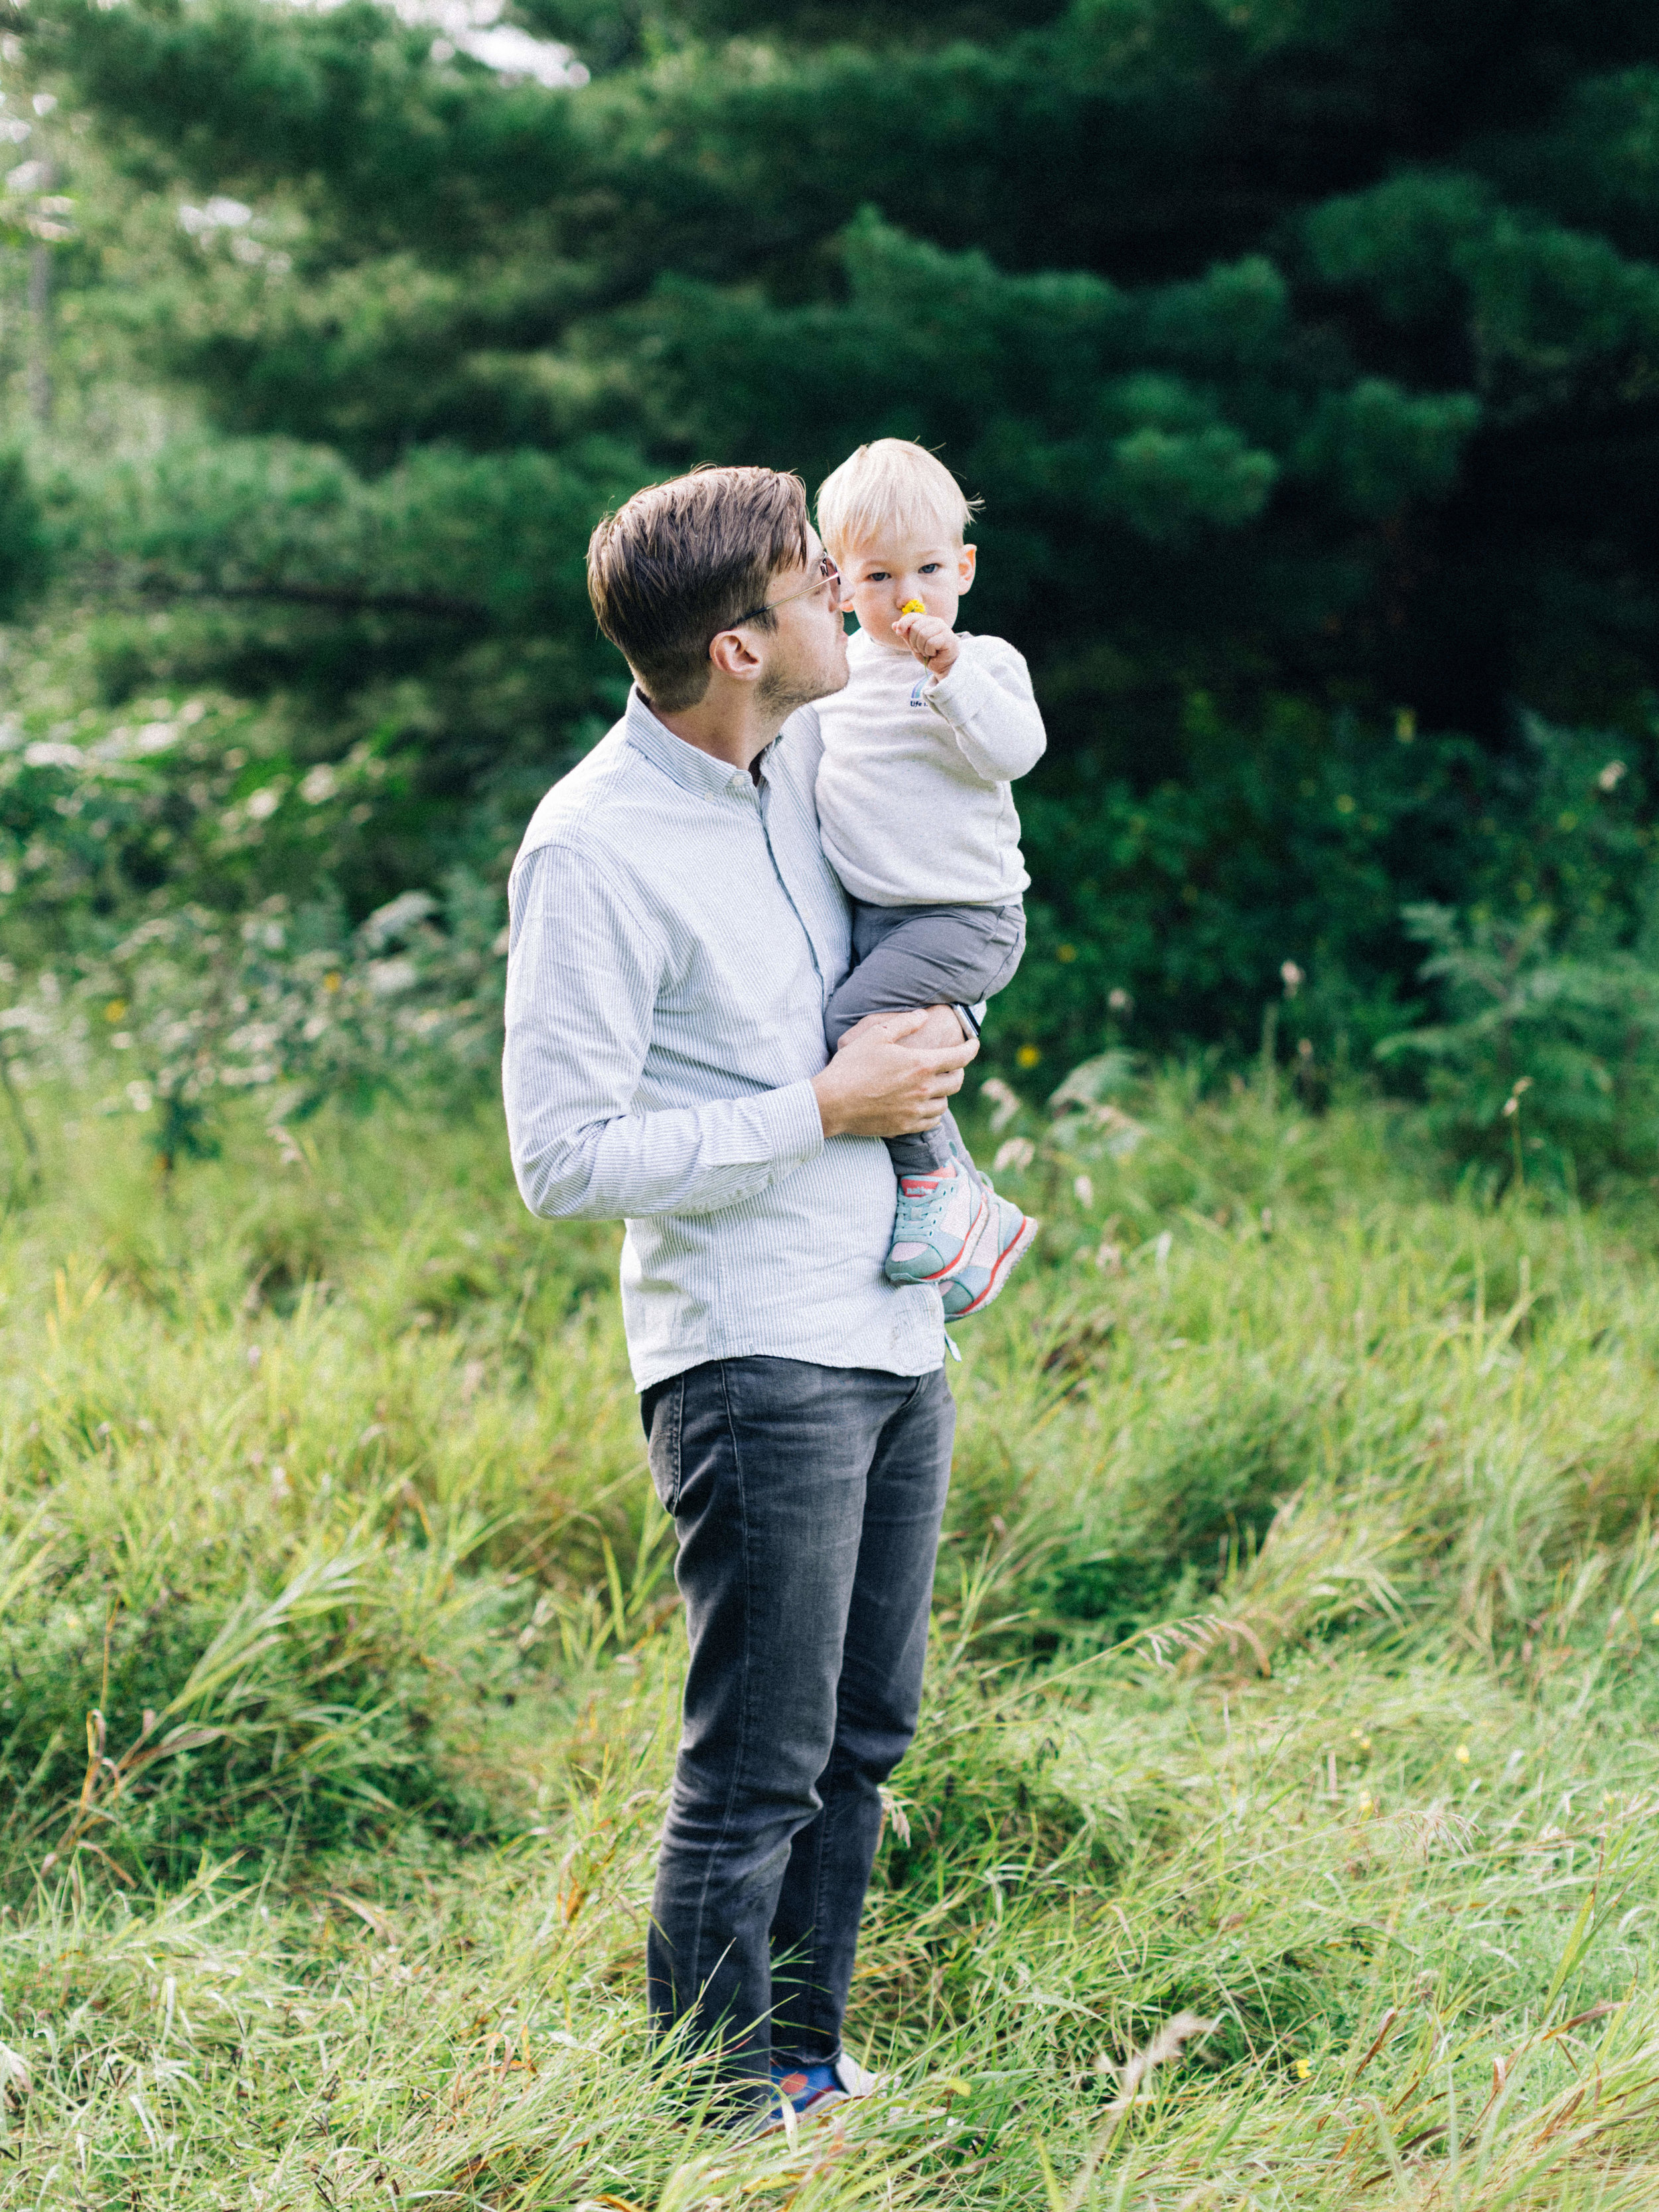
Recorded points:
(684,1159)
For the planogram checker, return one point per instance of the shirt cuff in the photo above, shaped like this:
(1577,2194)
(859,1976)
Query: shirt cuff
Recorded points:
(961,695)
(793,1123)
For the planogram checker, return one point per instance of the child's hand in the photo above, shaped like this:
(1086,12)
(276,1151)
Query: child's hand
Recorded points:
(931,640)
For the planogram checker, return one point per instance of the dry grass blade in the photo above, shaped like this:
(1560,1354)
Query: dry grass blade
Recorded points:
(1380,2038)
(1171,2040)
(378,1922)
(1196,1638)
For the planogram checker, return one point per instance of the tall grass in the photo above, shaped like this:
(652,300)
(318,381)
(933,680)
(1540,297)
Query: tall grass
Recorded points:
(1295,1670)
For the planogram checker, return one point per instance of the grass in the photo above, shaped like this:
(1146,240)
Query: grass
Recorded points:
(1296,1670)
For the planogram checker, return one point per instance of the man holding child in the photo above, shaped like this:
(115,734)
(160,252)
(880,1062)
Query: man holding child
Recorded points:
(677,937)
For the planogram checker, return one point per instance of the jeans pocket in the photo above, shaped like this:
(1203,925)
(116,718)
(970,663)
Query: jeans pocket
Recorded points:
(662,1428)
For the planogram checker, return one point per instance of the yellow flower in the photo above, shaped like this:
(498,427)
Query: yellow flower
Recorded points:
(332,979)
(116,1008)
(1462,1754)
(913,607)
(1027,1056)
(1303,2069)
(1365,1801)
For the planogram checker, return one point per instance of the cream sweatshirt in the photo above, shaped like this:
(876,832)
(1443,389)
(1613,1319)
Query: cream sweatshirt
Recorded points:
(914,803)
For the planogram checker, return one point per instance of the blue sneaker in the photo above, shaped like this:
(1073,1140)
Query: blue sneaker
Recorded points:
(811,2092)
(970,1286)
(940,1215)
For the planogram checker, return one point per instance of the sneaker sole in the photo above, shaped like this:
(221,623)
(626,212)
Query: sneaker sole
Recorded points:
(901,1282)
(1003,1269)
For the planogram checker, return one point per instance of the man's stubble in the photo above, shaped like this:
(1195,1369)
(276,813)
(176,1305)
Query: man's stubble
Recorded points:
(782,691)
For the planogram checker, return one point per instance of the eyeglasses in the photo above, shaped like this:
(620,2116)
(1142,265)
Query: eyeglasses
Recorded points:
(828,574)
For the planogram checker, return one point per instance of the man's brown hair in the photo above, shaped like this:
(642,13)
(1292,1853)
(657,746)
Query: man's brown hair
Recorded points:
(681,561)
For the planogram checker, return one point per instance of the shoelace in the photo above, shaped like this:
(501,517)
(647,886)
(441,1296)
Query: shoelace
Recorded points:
(934,1203)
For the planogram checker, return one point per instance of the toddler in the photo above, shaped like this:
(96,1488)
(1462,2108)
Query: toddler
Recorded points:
(919,823)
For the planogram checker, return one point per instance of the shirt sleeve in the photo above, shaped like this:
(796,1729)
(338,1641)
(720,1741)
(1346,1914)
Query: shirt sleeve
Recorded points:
(992,709)
(582,977)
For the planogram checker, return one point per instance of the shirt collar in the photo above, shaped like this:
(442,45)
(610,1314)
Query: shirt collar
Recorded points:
(693,769)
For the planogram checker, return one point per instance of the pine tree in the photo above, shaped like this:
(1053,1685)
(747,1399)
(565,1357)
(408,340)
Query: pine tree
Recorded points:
(1300,349)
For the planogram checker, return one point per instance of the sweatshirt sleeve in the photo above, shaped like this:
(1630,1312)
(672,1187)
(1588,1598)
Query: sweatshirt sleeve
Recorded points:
(582,977)
(992,711)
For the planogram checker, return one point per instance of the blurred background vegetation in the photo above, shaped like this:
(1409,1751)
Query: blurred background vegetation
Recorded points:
(1305,353)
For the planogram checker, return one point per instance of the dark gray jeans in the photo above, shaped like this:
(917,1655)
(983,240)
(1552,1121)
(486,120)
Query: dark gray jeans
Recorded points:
(924,956)
(807,1503)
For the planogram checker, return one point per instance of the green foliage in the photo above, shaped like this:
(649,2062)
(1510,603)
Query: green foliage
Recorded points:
(486,263)
(1293,1667)
(24,551)
(301,1713)
(1173,911)
(196,799)
(209,1537)
(187,1011)
(1544,1054)
(1347,431)
(1055,393)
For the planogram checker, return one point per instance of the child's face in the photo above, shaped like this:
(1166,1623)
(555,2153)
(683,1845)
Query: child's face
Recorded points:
(882,575)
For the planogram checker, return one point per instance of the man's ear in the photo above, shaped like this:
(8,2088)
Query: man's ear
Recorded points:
(730,653)
(967,561)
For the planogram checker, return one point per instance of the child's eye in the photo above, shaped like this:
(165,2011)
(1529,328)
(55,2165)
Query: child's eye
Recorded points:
(878,576)
(930,567)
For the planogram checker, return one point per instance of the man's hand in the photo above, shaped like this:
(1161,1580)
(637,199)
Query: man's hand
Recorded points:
(878,1086)
(931,640)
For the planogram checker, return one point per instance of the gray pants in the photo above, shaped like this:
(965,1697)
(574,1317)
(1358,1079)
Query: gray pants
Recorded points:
(925,956)
(807,1501)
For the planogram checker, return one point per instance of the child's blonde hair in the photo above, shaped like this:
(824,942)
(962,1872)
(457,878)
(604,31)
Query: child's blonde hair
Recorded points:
(890,482)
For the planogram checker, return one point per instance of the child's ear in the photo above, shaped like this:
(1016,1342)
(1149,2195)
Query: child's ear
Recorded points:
(966,561)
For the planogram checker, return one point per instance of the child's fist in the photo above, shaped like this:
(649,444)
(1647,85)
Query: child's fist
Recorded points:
(931,639)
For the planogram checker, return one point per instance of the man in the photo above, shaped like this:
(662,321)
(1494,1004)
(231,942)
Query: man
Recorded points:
(676,932)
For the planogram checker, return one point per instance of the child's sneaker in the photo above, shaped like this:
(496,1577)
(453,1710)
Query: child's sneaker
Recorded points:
(971,1286)
(814,2091)
(940,1215)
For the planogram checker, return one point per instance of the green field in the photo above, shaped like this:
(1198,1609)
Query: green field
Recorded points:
(1295,1666)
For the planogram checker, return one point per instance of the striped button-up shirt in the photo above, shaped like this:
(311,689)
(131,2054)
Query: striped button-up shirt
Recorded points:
(675,931)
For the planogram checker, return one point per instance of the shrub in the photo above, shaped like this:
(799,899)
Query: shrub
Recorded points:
(1547,1059)
(200,800)
(192,1005)
(1166,906)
